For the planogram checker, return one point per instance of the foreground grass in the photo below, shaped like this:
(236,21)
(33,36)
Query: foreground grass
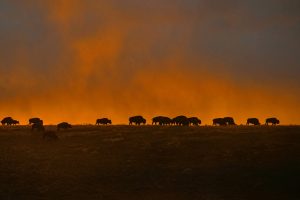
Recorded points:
(151,162)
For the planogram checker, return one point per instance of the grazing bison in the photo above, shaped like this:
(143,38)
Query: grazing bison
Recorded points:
(63,125)
(253,121)
(15,122)
(273,121)
(38,126)
(103,121)
(157,120)
(194,121)
(167,121)
(51,135)
(229,121)
(137,120)
(7,121)
(219,121)
(161,120)
(34,120)
(181,121)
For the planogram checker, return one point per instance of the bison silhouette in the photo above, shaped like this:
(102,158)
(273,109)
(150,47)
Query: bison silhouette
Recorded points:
(273,121)
(181,121)
(229,121)
(219,121)
(167,121)
(39,126)
(15,122)
(194,121)
(34,120)
(161,120)
(137,120)
(63,125)
(253,121)
(50,135)
(7,121)
(103,121)
(157,120)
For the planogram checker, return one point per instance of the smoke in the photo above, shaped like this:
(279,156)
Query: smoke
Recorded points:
(77,60)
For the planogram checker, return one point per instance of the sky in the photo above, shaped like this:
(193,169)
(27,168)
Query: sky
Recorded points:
(76,61)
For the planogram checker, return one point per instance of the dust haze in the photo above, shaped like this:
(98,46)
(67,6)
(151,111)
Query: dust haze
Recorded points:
(79,60)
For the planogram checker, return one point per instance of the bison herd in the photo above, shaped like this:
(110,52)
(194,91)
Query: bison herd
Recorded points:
(37,124)
(187,121)
(179,121)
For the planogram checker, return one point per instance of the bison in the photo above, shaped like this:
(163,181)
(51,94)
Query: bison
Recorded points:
(166,121)
(63,125)
(229,121)
(34,120)
(157,120)
(273,121)
(103,121)
(38,126)
(15,122)
(253,121)
(181,121)
(219,121)
(137,120)
(7,121)
(194,121)
(51,135)
(161,120)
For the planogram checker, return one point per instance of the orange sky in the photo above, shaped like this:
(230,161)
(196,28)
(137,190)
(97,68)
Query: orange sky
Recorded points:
(92,60)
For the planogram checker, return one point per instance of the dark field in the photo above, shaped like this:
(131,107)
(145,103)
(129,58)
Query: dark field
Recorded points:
(123,162)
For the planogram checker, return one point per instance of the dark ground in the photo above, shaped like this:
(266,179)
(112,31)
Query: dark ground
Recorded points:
(151,162)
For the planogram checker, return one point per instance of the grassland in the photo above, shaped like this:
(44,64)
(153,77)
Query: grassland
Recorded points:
(151,162)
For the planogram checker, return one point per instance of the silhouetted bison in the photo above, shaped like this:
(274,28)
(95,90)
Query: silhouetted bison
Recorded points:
(137,120)
(273,121)
(63,125)
(229,121)
(50,135)
(167,121)
(253,121)
(161,120)
(38,126)
(15,122)
(7,121)
(219,121)
(194,121)
(34,120)
(181,121)
(103,121)
(157,120)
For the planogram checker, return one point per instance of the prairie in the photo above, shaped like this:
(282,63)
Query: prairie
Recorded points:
(151,162)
